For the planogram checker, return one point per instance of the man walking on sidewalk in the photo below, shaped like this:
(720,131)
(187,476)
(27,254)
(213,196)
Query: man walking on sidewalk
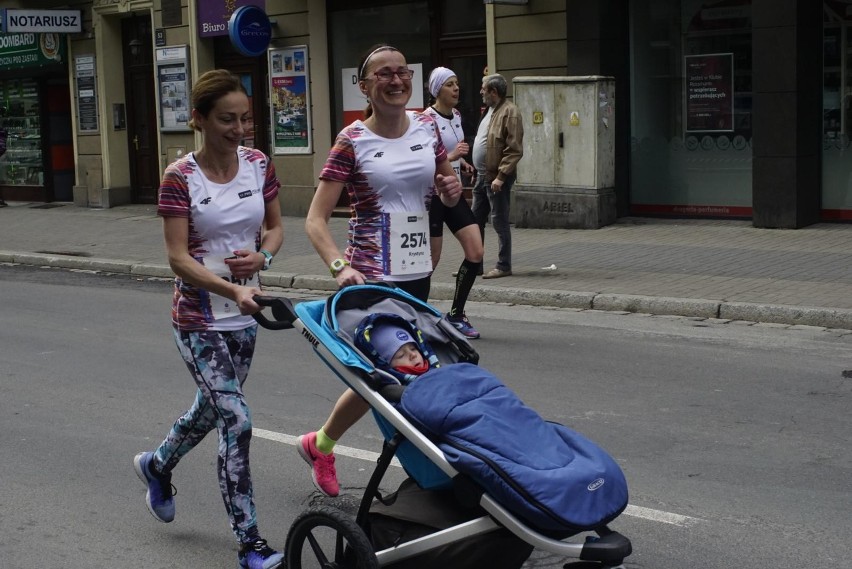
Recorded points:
(496,151)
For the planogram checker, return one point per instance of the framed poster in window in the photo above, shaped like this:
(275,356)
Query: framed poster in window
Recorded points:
(709,92)
(290,100)
(173,88)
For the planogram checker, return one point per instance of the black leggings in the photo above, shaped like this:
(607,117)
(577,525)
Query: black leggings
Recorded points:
(456,217)
(419,288)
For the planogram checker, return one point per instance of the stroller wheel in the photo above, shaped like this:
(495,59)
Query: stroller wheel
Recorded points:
(326,538)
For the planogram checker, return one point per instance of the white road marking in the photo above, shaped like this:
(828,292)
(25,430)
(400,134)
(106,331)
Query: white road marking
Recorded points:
(340,450)
(660,516)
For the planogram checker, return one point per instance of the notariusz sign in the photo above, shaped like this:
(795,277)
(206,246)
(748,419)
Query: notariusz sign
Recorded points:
(40,21)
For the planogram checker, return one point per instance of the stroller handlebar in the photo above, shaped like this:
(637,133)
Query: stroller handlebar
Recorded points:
(282,312)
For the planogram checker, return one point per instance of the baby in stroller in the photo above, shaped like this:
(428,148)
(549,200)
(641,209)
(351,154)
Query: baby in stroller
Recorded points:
(489,434)
(394,345)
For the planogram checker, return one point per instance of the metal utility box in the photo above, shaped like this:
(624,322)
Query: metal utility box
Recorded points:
(566,178)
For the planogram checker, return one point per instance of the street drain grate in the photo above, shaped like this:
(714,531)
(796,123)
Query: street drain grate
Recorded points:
(47,206)
(69,253)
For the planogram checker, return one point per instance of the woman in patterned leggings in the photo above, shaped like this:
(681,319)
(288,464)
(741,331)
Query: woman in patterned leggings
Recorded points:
(222,225)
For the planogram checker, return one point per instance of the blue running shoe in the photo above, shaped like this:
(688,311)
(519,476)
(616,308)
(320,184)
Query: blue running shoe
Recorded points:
(463,325)
(159,498)
(258,555)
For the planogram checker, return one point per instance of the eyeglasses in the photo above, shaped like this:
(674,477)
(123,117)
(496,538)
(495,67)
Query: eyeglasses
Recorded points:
(386,75)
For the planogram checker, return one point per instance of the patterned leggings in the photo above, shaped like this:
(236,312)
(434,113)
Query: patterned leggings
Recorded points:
(219,363)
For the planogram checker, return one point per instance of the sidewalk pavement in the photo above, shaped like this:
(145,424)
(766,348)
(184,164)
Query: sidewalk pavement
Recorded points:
(700,268)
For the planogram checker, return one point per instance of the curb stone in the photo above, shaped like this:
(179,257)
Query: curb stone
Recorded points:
(719,311)
(785,314)
(657,305)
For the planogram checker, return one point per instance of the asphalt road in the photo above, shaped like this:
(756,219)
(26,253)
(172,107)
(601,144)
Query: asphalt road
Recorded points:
(734,438)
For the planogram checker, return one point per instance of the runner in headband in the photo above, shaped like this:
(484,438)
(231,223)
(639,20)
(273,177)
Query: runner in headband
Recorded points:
(389,164)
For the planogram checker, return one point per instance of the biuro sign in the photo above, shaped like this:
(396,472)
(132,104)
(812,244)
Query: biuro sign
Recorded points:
(40,21)
(213,15)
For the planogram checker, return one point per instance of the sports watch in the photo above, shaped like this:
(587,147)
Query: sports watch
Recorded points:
(267,259)
(337,265)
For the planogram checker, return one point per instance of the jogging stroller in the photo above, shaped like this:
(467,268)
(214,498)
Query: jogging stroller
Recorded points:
(567,488)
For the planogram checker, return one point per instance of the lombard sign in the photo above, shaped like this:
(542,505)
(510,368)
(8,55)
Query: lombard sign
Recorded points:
(31,50)
(250,31)
(40,21)
(213,15)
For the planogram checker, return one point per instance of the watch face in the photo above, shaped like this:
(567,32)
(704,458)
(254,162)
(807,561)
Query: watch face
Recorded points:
(337,266)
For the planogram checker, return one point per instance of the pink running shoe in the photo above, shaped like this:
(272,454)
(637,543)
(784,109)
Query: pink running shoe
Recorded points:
(322,465)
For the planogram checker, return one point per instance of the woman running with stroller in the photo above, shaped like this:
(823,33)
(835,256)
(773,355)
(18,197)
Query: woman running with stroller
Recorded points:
(391,164)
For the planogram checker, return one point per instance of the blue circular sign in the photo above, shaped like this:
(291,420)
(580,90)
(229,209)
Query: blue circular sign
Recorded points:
(250,30)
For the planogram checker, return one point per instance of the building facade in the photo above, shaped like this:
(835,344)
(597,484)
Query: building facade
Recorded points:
(722,108)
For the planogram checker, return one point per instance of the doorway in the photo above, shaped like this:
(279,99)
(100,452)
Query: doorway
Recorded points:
(253,74)
(468,64)
(142,145)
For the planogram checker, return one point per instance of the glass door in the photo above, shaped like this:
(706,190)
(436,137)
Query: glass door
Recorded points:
(22,163)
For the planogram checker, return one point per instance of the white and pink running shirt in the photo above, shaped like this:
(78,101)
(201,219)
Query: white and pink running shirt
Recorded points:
(390,183)
(451,133)
(222,219)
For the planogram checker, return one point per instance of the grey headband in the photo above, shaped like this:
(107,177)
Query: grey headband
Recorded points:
(372,53)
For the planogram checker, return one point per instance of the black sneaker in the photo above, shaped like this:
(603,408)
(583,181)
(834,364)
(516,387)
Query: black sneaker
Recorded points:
(258,555)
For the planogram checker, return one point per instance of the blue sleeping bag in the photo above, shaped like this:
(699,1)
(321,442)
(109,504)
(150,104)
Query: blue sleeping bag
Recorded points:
(543,472)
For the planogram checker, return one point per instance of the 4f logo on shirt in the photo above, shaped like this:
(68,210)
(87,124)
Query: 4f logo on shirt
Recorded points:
(206,201)
(378,154)
(416,147)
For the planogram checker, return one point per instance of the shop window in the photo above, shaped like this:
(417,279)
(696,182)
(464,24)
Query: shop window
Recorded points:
(691,103)
(462,17)
(353,31)
(20,115)
(428,32)
(837,110)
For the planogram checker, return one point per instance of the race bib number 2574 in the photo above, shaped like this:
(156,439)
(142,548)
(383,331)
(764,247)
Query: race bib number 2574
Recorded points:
(406,250)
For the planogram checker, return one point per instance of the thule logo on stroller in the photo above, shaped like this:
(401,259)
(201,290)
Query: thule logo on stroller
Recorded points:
(310,337)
